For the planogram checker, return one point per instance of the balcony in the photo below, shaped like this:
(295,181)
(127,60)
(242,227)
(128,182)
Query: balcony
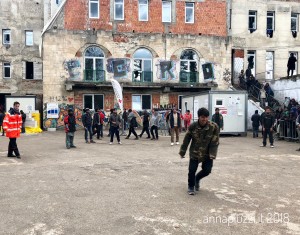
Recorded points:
(91,75)
(142,76)
(188,77)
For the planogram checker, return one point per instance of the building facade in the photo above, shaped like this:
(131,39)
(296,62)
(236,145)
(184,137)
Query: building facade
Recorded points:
(157,50)
(264,33)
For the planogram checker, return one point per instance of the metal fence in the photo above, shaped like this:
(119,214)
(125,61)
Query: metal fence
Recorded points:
(287,130)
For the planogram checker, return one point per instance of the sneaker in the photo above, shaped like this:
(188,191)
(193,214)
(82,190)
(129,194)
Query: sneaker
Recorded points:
(120,142)
(272,146)
(18,156)
(87,142)
(110,142)
(152,139)
(11,155)
(136,138)
(177,143)
(262,145)
(197,185)
(126,137)
(68,147)
(148,137)
(92,141)
(73,146)
(191,191)
(172,144)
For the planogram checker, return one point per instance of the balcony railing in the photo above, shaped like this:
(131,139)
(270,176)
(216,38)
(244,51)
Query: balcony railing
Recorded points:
(188,77)
(144,76)
(91,75)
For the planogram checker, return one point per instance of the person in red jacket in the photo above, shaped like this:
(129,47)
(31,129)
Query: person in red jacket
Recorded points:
(12,125)
(187,117)
(70,128)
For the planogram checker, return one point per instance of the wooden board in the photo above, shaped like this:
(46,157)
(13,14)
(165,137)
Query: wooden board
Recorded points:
(138,118)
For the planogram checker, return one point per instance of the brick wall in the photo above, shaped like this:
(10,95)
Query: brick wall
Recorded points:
(173,99)
(210,18)
(127,100)
(156,99)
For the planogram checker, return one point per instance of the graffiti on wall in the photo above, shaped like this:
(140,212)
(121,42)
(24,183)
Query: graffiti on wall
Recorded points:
(63,111)
(120,67)
(227,75)
(63,98)
(74,69)
(166,70)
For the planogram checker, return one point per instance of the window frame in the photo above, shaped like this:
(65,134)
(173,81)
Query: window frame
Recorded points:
(6,66)
(271,71)
(141,95)
(93,101)
(26,41)
(90,7)
(250,53)
(147,5)
(255,19)
(273,20)
(6,32)
(193,8)
(123,16)
(162,11)
(297,21)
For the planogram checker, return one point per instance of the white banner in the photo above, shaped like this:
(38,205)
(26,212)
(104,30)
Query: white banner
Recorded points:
(52,110)
(118,92)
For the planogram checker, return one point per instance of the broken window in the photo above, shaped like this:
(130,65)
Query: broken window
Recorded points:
(94,64)
(269,65)
(142,70)
(270,23)
(189,66)
(6,36)
(94,8)
(143,10)
(141,102)
(29,70)
(93,101)
(6,70)
(29,38)
(119,10)
(252,21)
(189,12)
(166,11)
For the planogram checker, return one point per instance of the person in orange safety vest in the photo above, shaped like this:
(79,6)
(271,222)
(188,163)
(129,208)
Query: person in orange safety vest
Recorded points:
(12,125)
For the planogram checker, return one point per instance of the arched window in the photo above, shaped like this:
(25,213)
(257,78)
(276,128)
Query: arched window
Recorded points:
(142,65)
(189,66)
(94,64)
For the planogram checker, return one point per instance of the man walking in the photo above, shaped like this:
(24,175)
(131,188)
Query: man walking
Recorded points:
(175,125)
(154,122)
(132,123)
(145,124)
(97,123)
(255,123)
(70,128)
(267,123)
(12,125)
(115,121)
(218,119)
(204,147)
(87,122)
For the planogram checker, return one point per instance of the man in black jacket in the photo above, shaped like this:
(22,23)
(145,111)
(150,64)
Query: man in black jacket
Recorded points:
(255,123)
(146,118)
(87,122)
(267,122)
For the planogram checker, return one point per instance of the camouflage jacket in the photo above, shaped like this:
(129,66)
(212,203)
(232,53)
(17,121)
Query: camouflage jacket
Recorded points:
(205,141)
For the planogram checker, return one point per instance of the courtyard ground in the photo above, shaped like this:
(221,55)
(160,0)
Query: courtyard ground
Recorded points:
(140,187)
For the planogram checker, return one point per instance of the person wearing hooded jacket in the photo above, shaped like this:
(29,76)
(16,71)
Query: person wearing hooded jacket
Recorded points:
(12,125)
(70,128)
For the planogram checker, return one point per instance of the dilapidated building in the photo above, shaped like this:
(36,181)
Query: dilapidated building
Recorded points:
(157,50)
(264,33)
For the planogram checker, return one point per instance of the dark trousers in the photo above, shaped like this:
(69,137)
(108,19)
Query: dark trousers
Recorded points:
(100,131)
(207,165)
(69,139)
(288,72)
(255,131)
(266,133)
(145,129)
(12,147)
(154,128)
(131,130)
(23,128)
(88,129)
(114,130)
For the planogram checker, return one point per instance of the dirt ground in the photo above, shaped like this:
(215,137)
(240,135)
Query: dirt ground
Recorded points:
(140,187)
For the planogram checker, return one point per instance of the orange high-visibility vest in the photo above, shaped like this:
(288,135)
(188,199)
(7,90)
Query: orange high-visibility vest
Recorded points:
(12,125)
